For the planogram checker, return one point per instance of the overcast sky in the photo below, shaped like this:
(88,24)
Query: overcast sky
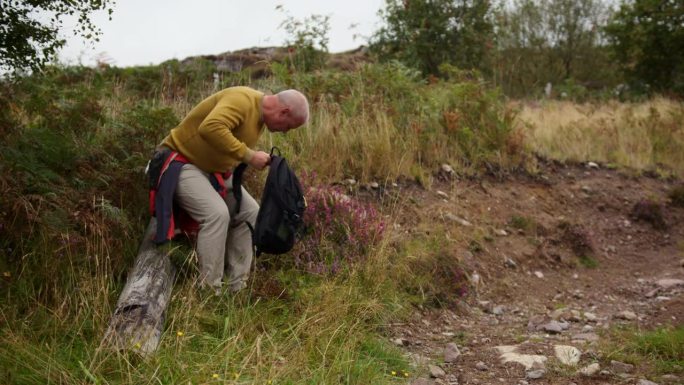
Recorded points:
(150,31)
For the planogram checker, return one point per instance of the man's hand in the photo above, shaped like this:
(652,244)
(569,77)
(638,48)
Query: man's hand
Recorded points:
(260,160)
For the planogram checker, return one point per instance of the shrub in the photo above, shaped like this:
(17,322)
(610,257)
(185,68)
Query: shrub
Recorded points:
(339,230)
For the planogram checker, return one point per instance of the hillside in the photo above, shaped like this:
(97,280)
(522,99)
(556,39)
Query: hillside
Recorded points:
(440,211)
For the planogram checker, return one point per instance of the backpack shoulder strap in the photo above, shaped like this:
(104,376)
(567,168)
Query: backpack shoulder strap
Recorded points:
(237,185)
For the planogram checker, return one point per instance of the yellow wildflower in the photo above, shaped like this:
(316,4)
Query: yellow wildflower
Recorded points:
(214,375)
(394,373)
(179,334)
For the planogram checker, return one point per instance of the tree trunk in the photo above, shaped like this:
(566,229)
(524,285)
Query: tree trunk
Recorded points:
(138,319)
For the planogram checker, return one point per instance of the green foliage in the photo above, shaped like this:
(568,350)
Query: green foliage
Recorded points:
(27,42)
(307,41)
(659,351)
(551,41)
(647,38)
(426,33)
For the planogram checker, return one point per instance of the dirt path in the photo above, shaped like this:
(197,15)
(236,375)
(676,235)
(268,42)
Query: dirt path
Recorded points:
(557,260)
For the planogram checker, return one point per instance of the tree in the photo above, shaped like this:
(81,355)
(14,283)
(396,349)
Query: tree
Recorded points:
(647,38)
(426,33)
(553,41)
(307,40)
(27,41)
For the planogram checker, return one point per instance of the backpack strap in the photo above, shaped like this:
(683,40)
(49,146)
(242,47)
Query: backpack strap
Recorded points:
(237,185)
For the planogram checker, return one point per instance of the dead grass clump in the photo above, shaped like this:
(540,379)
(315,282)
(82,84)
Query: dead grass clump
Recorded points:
(646,136)
(651,212)
(676,196)
(578,239)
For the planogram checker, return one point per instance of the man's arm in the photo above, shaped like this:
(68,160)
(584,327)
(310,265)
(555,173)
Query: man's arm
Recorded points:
(217,128)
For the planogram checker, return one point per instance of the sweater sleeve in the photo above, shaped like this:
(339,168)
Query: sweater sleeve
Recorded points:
(218,126)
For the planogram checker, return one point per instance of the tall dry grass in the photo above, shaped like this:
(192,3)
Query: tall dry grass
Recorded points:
(646,136)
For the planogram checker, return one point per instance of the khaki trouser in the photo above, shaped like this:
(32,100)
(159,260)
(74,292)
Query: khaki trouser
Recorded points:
(224,240)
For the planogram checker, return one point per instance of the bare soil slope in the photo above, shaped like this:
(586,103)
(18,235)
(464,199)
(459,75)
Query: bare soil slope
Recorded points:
(556,260)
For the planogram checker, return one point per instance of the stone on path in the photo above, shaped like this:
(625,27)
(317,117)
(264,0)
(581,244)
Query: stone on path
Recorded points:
(457,219)
(668,283)
(442,194)
(451,353)
(626,315)
(590,370)
(646,382)
(591,337)
(535,374)
(590,317)
(509,354)
(481,366)
(671,379)
(567,355)
(539,274)
(422,381)
(436,371)
(553,327)
(618,367)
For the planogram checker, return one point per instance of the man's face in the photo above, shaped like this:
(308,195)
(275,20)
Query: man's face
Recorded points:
(281,121)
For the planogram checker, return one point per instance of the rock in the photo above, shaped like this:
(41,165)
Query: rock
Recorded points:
(586,189)
(451,353)
(481,366)
(447,169)
(400,342)
(590,317)
(671,379)
(529,361)
(567,355)
(436,371)
(535,374)
(374,185)
(587,328)
(575,316)
(539,274)
(591,337)
(669,283)
(500,232)
(457,219)
(652,293)
(626,315)
(553,327)
(646,382)
(350,182)
(590,370)
(558,314)
(442,194)
(422,381)
(618,367)
(475,279)
(592,165)
(508,262)
(498,310)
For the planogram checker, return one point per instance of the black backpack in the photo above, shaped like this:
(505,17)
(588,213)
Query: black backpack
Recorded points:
(281,212)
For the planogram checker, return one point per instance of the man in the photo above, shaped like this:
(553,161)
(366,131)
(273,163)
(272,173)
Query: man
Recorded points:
(214,137)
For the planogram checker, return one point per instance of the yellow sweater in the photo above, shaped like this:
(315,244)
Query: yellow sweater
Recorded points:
(219,132)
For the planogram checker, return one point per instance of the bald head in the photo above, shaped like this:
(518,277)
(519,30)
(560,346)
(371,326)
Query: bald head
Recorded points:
(285,110)
(297,103)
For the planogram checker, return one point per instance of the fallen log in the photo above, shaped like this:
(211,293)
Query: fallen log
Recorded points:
(138,318)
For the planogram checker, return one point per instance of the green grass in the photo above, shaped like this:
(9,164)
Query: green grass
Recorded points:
(588,261)
(656,352)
